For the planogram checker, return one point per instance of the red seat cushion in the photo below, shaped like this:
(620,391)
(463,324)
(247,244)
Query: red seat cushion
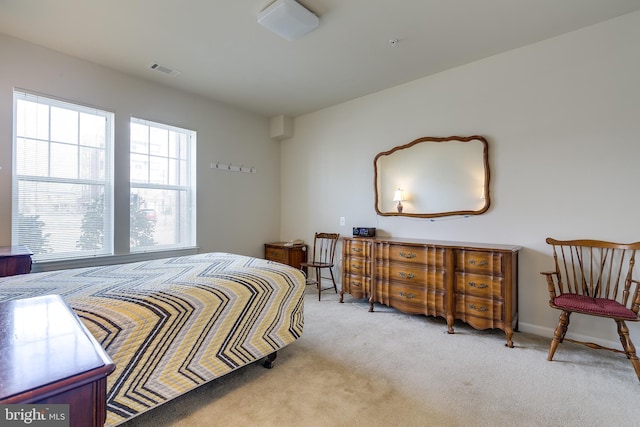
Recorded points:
(596,306)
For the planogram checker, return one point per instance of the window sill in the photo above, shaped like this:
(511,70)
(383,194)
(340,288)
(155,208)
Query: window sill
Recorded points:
(109,259)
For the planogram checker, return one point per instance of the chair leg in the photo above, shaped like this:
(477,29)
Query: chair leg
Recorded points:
(628,346)
(319,280)
(333,280)
(560,332)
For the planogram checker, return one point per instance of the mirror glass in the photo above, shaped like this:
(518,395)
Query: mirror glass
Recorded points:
(432,177)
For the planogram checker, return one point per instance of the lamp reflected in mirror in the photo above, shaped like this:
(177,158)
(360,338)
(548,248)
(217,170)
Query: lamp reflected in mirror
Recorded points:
(399,196)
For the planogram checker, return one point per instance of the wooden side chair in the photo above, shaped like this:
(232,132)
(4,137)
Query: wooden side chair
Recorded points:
(594,278)
(324,249)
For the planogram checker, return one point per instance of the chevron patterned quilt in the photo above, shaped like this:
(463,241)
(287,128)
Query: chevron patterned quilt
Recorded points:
(171,325)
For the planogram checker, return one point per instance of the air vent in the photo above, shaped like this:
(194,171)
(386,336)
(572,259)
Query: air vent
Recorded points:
(164,69)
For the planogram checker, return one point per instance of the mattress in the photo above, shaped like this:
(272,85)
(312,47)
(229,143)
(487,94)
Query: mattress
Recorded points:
(173,324)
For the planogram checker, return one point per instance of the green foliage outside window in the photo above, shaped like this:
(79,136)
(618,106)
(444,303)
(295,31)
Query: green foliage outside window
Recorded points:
(32,233)
(142,229)
(92,236)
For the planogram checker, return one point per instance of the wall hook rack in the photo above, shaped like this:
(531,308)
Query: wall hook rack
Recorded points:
(233,168)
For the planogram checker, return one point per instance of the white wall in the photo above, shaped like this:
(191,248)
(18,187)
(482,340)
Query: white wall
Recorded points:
(562,118)
(237,212)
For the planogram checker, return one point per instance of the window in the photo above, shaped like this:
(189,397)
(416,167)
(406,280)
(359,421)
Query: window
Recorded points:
(62,178)
(162,174)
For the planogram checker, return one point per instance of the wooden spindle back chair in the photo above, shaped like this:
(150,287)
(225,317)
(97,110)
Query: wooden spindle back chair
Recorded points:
(324,249)
(594,278)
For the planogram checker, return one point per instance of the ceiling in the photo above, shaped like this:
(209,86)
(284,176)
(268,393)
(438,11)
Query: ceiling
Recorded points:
(222,52)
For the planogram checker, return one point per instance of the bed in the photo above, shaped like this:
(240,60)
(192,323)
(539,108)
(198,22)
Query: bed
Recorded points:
(173,324)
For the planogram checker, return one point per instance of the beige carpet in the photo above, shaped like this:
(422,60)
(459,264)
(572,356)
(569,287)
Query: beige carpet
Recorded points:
(355,368)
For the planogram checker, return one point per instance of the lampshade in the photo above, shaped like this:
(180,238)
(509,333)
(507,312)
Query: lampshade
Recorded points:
(398,196)
(288,19)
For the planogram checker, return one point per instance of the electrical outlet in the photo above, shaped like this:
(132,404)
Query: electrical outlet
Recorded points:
(342,221)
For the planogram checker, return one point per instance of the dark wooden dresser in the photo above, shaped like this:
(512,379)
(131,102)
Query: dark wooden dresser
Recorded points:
(49,357)
(14,260)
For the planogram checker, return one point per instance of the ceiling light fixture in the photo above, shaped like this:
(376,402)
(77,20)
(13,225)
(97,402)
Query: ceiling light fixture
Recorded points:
(288,19)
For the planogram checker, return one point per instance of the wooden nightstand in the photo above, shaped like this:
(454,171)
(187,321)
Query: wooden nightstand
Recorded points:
(49,357)
(14,260)
(290,255)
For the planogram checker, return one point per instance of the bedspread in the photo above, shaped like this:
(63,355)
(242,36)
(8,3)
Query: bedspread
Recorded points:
(170,325)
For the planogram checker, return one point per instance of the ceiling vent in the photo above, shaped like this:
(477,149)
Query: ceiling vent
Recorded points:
(164,70)
(288,19)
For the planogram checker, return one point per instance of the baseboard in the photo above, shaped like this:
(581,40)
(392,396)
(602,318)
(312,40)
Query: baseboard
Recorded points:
(535,330)
(548,333)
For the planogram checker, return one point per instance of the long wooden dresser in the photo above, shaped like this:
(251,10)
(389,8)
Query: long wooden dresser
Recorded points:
(475,283)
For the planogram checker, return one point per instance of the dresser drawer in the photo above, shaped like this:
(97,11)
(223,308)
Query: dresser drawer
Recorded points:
(411,274)
(471,306)
(357,266)
(478,284)
(357,286)
(479,262)
(424,255)
(415,299)
(354,247)
(275,254)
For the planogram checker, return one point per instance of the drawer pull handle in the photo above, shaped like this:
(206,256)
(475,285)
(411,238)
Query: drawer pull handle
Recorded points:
(480,286)
(357,284)
(409,295)
(409,255)
(356,266)
(475,307)
(478,263)
(406,275)
(356,249)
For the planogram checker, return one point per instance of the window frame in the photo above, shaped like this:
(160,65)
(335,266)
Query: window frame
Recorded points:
(188,187)
(107,181)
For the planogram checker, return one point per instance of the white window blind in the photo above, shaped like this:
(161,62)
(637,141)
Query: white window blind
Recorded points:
(62,178)
(163,186)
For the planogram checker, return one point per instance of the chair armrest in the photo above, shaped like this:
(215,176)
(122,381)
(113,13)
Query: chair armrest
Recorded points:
(551,284)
